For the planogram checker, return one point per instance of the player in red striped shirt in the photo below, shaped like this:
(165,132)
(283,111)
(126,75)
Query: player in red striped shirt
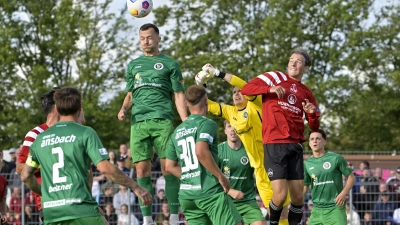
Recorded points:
(49,108)
(285,101)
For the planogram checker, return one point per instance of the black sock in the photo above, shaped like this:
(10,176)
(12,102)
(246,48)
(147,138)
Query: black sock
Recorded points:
(295,214)
(274,213)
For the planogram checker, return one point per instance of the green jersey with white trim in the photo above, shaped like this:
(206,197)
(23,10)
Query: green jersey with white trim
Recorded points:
(64,153)
(236,167)
(196,181)
(152,81)
(324,175)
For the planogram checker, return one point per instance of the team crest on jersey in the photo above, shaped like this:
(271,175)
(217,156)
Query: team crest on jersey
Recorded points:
(158,66)
(245,115)
(227,171)
(244,160)
(138,80)
(326,165)
(292,99)
(293,88)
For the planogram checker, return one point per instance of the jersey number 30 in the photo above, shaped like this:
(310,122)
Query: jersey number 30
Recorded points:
(58,165)
(188,154)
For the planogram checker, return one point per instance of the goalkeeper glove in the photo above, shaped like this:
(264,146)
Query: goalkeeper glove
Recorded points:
(202,77)
(208,68)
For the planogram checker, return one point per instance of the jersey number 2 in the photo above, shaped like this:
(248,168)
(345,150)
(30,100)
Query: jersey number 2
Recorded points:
(58,165)
(188,154)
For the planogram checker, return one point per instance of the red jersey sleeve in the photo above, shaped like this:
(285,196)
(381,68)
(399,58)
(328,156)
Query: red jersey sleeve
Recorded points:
(263,83)
(30,137)
(257,86)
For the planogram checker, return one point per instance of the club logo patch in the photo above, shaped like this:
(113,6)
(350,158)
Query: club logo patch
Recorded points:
(292,99)
(326,165)
(293,88)
(138,81)
(245,115)
(227,171)
(244,160)
(158,66)
(270,172)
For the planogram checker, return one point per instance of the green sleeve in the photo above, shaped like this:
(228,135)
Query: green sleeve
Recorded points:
(220,155)
(307,178)
(94,148)
(171,152)
(344,167)
(176,77)
(130,81)
(207,132)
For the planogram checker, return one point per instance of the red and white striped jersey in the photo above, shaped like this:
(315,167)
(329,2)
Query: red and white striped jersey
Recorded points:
(30,137)
(283,118)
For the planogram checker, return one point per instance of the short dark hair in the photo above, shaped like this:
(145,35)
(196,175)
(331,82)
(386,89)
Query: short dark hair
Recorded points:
(47,100)
(226,122)
(148,26)
(303,53)
(366,163)
(194,94)
(68,101)
(322,132)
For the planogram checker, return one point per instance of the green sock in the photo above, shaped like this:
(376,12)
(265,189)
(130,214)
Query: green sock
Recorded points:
(145,182)
(171,192)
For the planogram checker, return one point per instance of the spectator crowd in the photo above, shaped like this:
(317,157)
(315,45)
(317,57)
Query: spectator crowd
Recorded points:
(374,200)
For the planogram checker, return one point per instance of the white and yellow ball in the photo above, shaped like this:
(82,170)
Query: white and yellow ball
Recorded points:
(139,8)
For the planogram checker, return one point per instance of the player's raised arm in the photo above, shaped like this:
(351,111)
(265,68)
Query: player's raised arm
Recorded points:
(256,87)
(208,72)
(180,105)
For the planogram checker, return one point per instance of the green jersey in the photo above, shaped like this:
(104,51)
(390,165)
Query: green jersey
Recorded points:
(235,165)
(64,153)
(324,175)
(196,181)
(152,81)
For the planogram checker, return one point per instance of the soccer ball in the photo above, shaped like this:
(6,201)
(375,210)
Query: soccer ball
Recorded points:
(139,8)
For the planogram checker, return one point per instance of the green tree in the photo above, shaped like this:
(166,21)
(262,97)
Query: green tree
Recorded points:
(253,36)
(48,43)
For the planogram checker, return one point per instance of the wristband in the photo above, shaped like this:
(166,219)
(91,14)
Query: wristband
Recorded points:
(221,74)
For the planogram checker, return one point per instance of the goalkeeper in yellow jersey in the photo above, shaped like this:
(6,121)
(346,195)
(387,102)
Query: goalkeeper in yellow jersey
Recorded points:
(245,118)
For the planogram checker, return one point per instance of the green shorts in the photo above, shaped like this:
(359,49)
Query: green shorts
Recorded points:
(333,216)
(217,209)
(148,134)
(98,220)
(250,211)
